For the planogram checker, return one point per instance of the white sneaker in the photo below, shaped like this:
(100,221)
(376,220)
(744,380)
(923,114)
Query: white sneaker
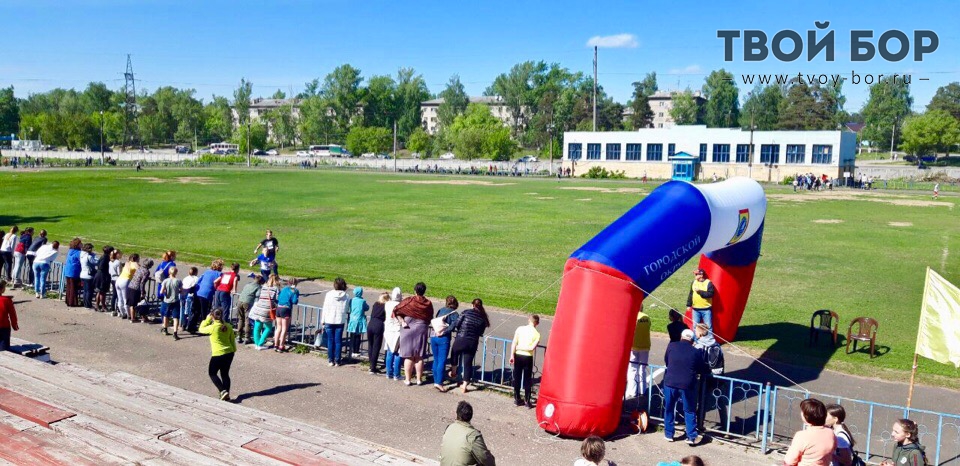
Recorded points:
(330,364)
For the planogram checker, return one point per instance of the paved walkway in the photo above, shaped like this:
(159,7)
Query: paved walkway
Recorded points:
(345,399)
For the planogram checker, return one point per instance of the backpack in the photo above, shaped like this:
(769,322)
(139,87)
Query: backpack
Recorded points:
(857,460)
(714,357)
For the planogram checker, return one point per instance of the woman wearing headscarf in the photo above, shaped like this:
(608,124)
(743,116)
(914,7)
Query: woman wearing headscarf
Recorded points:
(391,335)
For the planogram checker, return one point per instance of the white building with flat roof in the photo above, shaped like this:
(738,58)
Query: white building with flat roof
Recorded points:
(724,152)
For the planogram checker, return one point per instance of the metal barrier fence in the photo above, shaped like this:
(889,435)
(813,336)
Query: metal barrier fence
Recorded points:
(54,277)
(870,423)
(744,409)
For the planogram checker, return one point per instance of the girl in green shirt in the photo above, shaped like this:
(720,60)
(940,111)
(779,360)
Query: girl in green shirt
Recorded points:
(223,346)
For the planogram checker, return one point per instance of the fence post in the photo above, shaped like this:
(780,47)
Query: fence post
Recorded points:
(766,418)
(869,432)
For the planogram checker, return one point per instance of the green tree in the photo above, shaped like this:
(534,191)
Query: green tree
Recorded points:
(476,133)
(279,95)
(762,107)
(723,104)
(364,139)
(97,98)
(283,128)
(642,113)
(685,109)
(9,112)
(258,136)
(947,99)
(341,90)
(419,141)
(241,101)
(516,89)
(455,101)
(217,120)
(932,132)
(807,107)
(889,103)
(316,121)
(411,92)
(380,101)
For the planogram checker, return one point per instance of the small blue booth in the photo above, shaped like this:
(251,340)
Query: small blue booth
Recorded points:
(684,166)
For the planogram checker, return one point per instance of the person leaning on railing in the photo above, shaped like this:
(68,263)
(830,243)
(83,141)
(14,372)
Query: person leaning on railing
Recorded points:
(470,327)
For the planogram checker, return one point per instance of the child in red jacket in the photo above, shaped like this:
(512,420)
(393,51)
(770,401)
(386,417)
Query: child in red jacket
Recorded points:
(8,318)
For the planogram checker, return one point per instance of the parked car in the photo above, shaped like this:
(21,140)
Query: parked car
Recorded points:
(448,156)
(528,158)
(182,149)
(368,155)
(259,152)
(302,153)
(384,156)
(273,152)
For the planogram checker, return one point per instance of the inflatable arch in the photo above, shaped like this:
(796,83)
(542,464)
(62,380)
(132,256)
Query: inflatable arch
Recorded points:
(606,280)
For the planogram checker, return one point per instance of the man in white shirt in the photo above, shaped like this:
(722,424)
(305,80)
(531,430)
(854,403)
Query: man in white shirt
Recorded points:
(525,341)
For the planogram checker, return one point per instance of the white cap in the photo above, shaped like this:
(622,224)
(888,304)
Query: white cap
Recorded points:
(687,335)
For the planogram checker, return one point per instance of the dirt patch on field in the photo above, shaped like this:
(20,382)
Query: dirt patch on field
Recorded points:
(605,190)
(585,200)
(181,180)
(451,182)
(894,199)
(544,198)
(900,224)
(827,220)
(533,194)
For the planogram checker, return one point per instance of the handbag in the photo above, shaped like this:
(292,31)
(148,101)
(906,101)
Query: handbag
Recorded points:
(439,325)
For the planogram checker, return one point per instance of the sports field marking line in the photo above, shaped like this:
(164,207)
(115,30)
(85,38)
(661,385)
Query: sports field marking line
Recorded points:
(943,257)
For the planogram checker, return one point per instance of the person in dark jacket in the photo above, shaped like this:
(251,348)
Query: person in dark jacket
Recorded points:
(684,364)
(136,290)
(908,450)
(469,327)
(375,328)
(712,355)
(676,325)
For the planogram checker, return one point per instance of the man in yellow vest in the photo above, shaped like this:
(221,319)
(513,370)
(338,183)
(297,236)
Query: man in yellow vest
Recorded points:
(639,356)
(700,299)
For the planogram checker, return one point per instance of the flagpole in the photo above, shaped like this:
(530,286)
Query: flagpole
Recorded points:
(913,375)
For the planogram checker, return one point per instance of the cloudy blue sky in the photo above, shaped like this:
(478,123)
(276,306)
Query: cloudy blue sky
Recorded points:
(210,45)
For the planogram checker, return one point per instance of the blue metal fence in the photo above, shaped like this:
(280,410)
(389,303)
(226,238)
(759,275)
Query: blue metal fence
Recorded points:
(753,411)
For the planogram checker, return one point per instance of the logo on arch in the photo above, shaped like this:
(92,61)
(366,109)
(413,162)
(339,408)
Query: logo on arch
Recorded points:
(742,224)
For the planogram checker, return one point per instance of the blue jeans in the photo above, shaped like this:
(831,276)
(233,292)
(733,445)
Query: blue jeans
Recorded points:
(689,397)
(703,315)
(40,271)
(440,347)
(222,300)
(334,342)
(186,310)
(393,364)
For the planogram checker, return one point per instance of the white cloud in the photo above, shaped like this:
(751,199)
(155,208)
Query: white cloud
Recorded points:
(692,69)
(616,41)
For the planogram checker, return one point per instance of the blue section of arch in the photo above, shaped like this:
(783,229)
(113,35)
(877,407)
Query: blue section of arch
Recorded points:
(654,238)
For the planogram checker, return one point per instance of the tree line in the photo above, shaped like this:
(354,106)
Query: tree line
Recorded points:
(542,101)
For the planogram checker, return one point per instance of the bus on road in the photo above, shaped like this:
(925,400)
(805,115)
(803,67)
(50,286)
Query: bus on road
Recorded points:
(223,148)
(328,150)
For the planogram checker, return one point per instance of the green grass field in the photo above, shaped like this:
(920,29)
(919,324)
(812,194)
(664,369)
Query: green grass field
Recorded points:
(858,254)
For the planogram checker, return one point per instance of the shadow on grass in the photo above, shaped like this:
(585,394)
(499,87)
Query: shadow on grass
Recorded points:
(275,390)
(7,220)
(791,354)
